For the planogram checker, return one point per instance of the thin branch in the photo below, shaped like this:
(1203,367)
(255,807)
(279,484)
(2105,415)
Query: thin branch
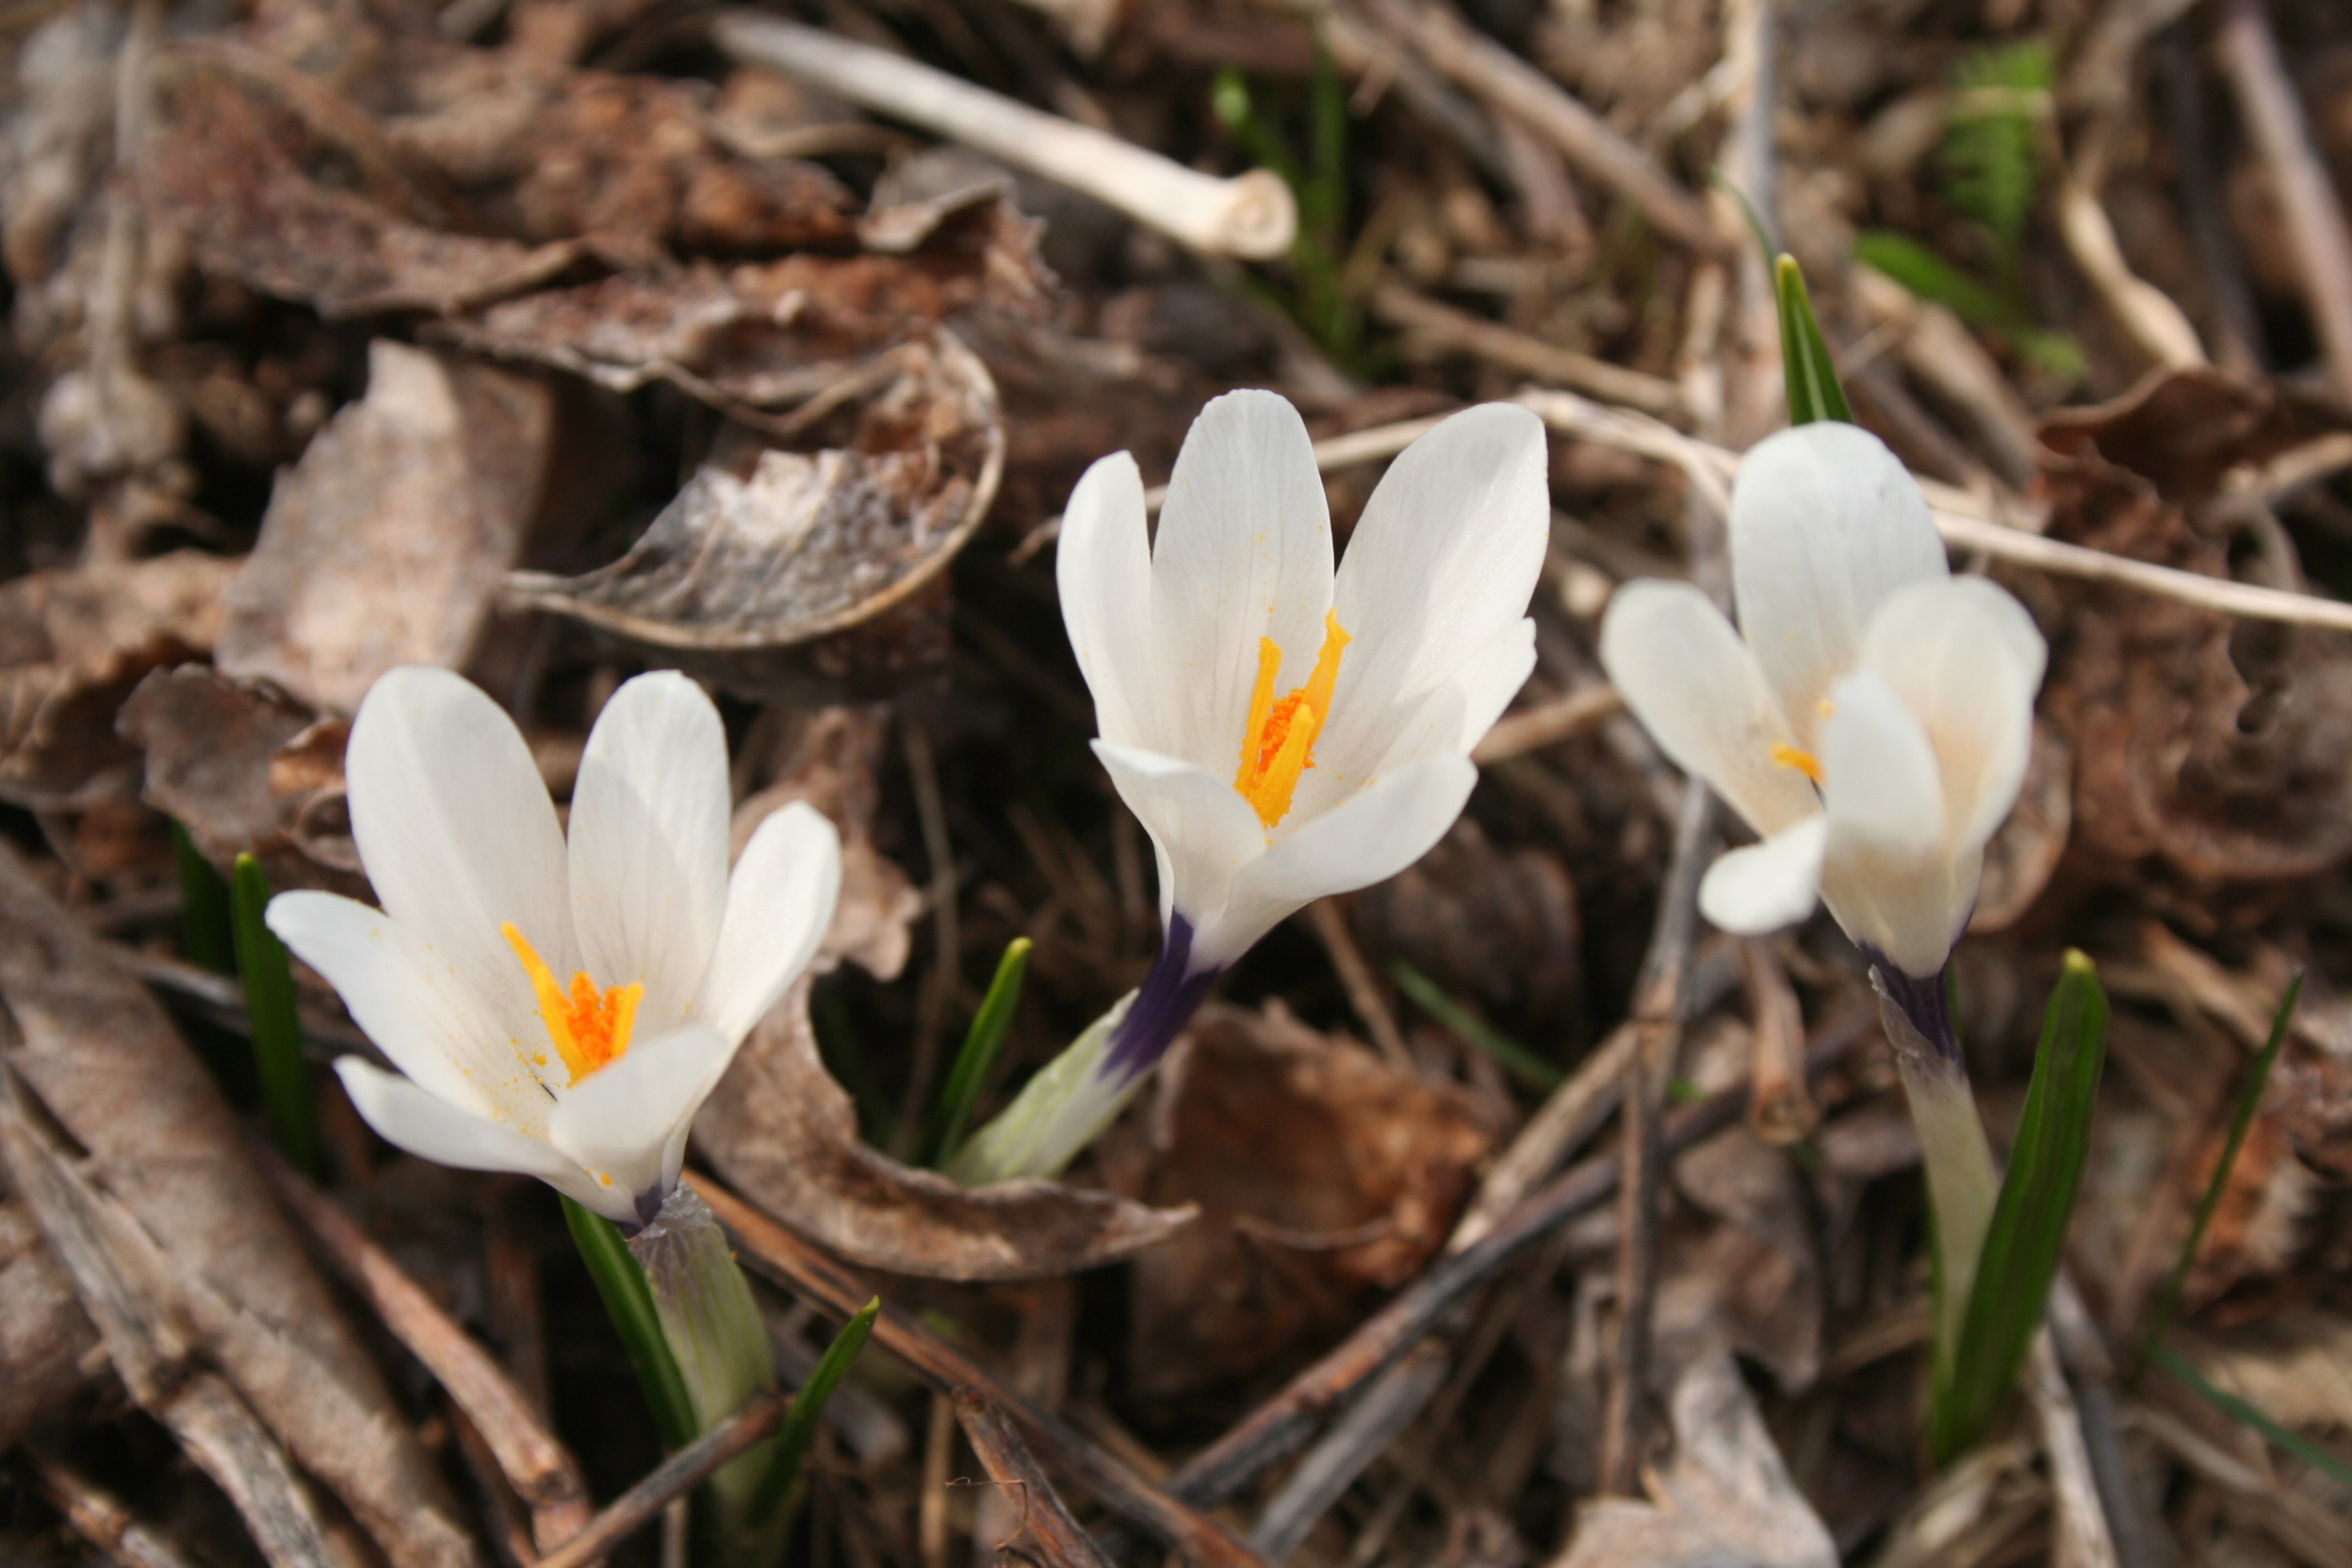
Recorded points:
(540,1469)
(1357,979)
(814,1275)
(671,1479)
(1443,326)
(1252,216)
(1011,1465)
(2318,234)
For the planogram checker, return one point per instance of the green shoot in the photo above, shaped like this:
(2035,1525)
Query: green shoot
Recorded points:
(2026,1239)
(2168,1300)
(1814,393)
(628,1302)
(2254,1416)
(1991,141)
(799,1426)
(269,976)
(983,1043)
(208,932)
(1318,300)
(1472,1031)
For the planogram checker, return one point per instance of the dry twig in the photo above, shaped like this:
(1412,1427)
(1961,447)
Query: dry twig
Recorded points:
(1011,1465)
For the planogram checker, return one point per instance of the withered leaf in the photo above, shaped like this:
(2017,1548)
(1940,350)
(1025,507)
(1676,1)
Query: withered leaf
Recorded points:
(806,544)
(225,167)
(383,545)
(246,768)
(2223,747)
(1321,1172)
(44,1334)
(784,1136)
(103,1059)
(72,645)
(2027,848)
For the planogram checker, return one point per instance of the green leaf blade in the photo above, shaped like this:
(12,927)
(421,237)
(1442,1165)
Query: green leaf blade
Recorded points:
(1472,1031)
(207,928)
(983,1043)
(1814,392)
(269,977)
(2026,1240)
(628,1302)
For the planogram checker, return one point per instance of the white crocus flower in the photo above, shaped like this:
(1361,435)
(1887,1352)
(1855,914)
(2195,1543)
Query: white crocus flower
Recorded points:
(560,1009)
(1873,722)
(1283,730)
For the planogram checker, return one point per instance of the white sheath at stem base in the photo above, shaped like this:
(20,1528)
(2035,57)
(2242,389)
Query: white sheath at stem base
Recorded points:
(714,1333)
(1062,1109)
(1962,1182)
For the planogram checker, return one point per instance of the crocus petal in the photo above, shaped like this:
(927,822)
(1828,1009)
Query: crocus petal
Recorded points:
(648,843)
(455,828)
(1201,830)
(1103,571)
(1442,564)
(1888,873)
(408,998)
(1965,658)
(1698,690)
(1492,677)
(1244,554)
(778,907)
(431,1129)
(622,1121)
(1764,886)
(1367,839)
(1826,524)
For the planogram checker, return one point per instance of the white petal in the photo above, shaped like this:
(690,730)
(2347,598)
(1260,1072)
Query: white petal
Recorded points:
(1888,875)
(1201,830)
(1764,886)
(408,998)
(627,1121)
(1244,554)
(1883,790)
(458,835)
(779,906)
(1103,570)
(648,844)
(1965,659)
(1826,524)
(1492,677)
(1366,838)
(1441,566)
(1698,690)
(431,1129)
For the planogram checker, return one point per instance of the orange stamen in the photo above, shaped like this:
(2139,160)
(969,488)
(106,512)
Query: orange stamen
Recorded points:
(1279,745)
(590,1027)
(1803,762)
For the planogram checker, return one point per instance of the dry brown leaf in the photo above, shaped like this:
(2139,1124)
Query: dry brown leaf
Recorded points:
(383,545)
(2033,839)
(2221,747)
(1320,1171)
(45,1337)
(225,166)
(793,546)
(163,1147)
(1724,1498)
(72,645)
(784,1135)
(247,769)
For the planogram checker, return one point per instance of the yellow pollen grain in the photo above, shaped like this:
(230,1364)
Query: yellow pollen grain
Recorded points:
(1803,762)
(1278,744)
(590,1026)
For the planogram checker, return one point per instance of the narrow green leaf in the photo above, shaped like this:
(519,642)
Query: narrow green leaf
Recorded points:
(799,1429)
(2027,1237)
(1812,375)
(1472,1031)
(2253,1416)
(630,1304)
(983,1042)
(1934,279)
(269,977)
(208,932)
(2249,1097)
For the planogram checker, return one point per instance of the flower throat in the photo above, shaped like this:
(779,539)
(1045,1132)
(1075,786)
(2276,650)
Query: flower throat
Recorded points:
(590,1027)
(1279,745)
